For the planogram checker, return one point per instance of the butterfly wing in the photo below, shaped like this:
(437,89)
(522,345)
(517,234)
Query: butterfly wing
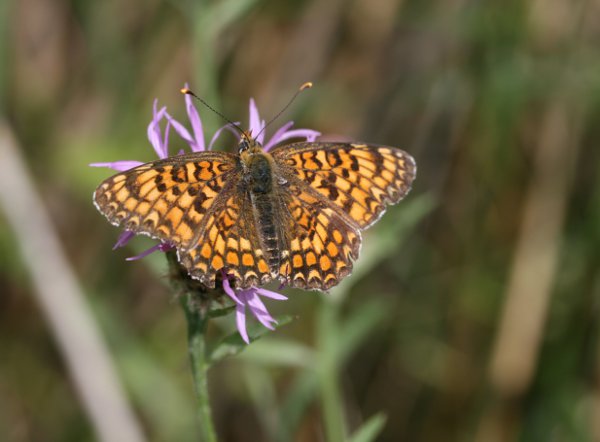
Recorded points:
(194,202)
(358,179)
(229,243)
(319,245)
(333,191)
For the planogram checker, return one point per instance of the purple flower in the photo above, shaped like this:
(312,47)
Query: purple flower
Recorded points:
(159,140)
(257,127)
(250,298)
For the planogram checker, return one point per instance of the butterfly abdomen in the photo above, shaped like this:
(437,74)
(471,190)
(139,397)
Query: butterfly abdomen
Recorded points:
(259,179)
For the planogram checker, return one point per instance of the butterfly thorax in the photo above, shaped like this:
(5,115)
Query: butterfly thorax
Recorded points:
(258,168)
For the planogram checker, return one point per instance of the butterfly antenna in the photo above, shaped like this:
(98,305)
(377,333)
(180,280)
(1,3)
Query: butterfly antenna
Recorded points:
(187,91)
(306,85)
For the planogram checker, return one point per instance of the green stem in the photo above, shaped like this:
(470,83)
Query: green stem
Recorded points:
(195,300)
(331,396)
(197,322)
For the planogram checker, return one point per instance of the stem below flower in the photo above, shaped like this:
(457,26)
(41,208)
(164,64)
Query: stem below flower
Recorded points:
(197,322)
(328,370)
(194,300)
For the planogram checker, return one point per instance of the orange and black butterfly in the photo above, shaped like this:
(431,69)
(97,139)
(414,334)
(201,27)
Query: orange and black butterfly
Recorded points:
(294,214)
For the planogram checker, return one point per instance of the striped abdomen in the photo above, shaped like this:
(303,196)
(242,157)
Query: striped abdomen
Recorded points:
(260,180)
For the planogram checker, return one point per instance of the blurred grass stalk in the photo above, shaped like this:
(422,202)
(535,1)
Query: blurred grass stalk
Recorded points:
(208,22)
(531,280)
(62,301)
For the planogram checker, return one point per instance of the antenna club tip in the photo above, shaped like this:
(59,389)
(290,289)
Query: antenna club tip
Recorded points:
(306,85)
(185,90)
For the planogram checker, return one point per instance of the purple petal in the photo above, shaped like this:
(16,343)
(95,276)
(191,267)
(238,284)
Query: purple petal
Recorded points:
(229,127)
(166,140)
(310,135)
(144,253)
(183,133)
(276,138)
(229,290)
(154,131)
(240,319)
(196,122)
(270,294)
(259,310)
(118,165)
(123,239)
(256,125)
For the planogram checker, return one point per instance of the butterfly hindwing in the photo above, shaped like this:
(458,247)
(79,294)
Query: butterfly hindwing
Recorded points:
(320,244)
(229,242)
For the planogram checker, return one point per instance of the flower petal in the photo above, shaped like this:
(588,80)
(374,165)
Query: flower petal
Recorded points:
(270,294)
(196,122)
(308,134)
(259,310)
(276,138)
(144,253)
(166,140)
(229,127)
(154,131)
(118,165)
(256,124)
(183,132)
(123,239)
(229,290)
(162,246)
(240,319)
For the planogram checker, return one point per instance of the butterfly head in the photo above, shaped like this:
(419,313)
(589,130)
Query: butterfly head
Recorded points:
(248,144)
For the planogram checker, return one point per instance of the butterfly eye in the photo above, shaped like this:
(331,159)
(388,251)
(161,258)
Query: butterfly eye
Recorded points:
(244,145)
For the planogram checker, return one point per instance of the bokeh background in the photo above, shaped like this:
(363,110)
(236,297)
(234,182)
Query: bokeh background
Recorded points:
(473,312)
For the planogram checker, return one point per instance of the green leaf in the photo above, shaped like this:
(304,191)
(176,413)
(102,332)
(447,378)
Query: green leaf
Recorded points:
(358,326)
(283,352)
(233,344)
(299,398)
(370,429)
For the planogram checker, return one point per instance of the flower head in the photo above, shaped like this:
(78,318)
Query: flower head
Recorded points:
(159,140)
(250,298)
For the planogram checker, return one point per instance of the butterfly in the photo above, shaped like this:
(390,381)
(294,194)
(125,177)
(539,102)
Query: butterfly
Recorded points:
(294,214)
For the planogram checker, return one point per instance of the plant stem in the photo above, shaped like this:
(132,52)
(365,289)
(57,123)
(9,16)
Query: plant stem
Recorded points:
(195,299)
(331,396)
(197,322)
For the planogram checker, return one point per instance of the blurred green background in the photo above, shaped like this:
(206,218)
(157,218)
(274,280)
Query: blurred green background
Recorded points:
(473,311)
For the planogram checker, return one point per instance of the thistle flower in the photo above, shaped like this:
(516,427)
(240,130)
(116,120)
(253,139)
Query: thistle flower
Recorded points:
(159,139)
